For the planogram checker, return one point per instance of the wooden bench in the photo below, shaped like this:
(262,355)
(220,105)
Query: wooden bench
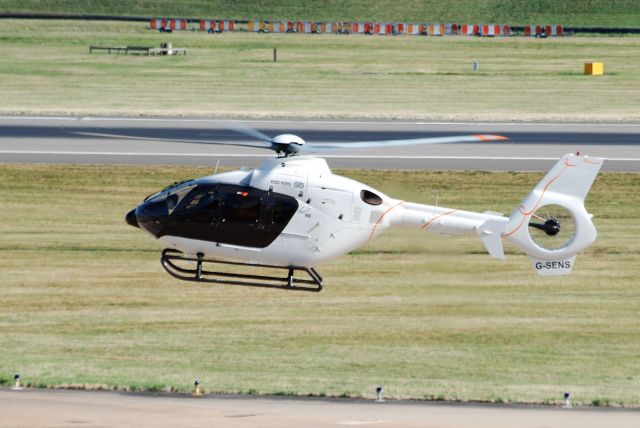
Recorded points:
(139,50)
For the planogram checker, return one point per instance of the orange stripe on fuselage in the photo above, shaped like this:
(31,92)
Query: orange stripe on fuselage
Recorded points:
(427,224)
(381,217)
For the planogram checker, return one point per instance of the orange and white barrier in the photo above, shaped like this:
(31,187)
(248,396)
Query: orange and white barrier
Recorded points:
(327,27)
(276,27)
(435,30)
(178,24)
(344,27)
(485,30)
(369,27)
(291,28)
(383,28)
(532,30)
(307,27)
(490,30)
(166,24)
(213,25)
(470,29)
(450,29)
(158,23)
(548,30)
(413,29)
(554,30)
(256,26)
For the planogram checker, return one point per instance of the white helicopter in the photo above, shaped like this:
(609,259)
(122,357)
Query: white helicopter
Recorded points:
(292,213)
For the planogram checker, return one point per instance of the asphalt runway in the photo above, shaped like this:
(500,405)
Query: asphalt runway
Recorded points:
(64,408)
(531,146)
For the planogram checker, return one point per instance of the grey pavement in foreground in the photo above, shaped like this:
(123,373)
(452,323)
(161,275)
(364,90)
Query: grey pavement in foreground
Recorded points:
(64,408)
(532,146)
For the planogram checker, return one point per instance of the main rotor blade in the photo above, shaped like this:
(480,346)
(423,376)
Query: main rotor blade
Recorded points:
(409,142)
(258,145)
(241,128)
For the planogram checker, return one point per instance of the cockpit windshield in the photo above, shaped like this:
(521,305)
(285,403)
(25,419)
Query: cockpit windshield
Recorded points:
(176,187)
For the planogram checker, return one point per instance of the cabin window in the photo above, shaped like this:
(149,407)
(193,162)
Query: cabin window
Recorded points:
(282,210)
(231,214)
(201,198)
(241,207)
(370,197)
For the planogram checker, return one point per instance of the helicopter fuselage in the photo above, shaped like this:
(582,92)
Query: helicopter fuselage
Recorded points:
(293,212)
(287,212)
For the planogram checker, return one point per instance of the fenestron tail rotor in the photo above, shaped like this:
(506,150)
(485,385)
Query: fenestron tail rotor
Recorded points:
(552,227)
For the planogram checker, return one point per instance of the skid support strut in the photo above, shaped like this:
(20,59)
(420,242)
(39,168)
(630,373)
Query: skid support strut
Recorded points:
(200,274)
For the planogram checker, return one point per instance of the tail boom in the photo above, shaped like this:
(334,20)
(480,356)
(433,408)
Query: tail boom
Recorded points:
(565,185)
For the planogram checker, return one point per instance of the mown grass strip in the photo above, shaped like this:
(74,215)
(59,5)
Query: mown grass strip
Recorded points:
(47,69)
(428,317)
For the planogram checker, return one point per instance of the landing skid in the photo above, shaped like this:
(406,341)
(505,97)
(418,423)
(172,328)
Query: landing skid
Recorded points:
(199,274)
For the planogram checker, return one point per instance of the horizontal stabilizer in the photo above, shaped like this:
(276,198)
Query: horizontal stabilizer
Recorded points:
(490,232)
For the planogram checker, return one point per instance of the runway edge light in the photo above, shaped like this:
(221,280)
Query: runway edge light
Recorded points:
(196,389)
(379,398)
(16,386)
(567,402)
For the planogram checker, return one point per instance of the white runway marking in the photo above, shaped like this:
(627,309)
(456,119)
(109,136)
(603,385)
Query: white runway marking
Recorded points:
(334,122)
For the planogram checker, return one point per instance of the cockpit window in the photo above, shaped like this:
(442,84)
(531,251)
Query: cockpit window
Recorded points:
(172,202)
(200,206)
(172,188)
(218,212)
(200,197)
(370,197)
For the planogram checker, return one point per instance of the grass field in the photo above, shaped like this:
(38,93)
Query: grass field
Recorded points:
(85,301)
(46,68)
(595,13)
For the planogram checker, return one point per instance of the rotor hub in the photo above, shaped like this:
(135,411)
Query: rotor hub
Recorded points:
(287,144)
(551,227)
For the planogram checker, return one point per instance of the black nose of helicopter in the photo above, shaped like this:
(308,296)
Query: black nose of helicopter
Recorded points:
(131,218)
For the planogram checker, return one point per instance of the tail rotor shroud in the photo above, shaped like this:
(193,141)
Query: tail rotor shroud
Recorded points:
(552,224)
